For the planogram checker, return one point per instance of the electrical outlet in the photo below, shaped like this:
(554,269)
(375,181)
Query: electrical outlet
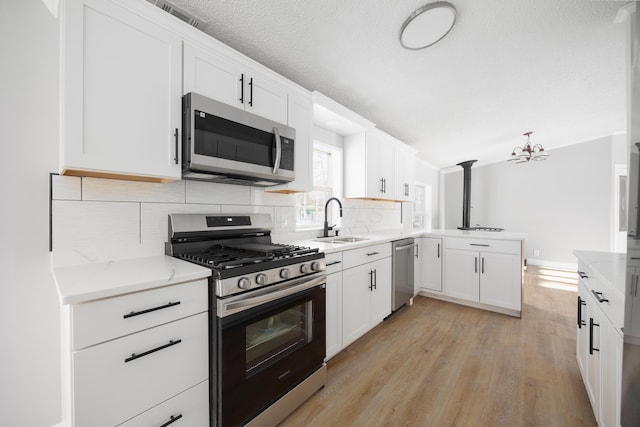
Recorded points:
(536,252)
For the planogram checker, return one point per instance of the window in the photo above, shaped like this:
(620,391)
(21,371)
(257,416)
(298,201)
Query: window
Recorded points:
(327,182)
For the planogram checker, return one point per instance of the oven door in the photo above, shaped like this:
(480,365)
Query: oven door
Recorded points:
(268,342)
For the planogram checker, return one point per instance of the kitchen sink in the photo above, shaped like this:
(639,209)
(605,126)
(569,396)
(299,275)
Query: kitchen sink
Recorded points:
(339,240)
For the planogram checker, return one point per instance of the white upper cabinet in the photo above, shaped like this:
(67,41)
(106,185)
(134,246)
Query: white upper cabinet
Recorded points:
(234,80)
(368,171)
(404,172)
(121,93)
(378,166)
(300,117)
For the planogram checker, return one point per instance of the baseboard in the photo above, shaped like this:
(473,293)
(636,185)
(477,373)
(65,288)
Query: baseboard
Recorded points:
(487,307)
(552,264)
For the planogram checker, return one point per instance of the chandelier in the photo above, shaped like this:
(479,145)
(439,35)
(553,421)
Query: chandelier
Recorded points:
(526,153)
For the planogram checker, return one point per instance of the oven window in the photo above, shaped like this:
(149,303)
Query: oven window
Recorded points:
(274,337)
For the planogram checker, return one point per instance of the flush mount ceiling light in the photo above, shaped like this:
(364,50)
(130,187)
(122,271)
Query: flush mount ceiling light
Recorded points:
(427,25)
(528,152)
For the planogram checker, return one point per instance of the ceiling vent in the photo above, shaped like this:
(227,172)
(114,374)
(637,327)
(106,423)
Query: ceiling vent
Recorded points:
(177,12)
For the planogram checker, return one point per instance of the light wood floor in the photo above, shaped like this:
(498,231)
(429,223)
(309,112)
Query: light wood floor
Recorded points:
(442,364)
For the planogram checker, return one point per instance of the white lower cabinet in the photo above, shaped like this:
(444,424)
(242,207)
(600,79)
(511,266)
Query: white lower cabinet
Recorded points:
(428,264)
(611,348)
(487,272)
(582,337)
(188,409)
(146,367)
(366,298)
(599,345)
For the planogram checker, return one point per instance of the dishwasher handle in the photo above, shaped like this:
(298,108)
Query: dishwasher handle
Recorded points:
(404,247)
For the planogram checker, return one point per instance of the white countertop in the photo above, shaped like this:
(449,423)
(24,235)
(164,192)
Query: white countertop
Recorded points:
(85,278)
(609,267)
(90,281)
(385,237)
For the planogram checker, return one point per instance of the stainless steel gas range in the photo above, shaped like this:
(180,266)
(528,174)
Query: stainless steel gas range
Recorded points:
(267,315)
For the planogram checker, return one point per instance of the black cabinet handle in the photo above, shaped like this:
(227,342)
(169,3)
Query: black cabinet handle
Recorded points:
(172,420)
(334,263)
(153,350)
(591,325)
(177,145)
(382,185)
(370,280)
(417,254)
(479,244)
(476,267)
(251,92)
(242,88)
(438,250)
(482,268)
(149,310)
(375,279)
(581,322)
(598,296)
(373,253)
(582,275)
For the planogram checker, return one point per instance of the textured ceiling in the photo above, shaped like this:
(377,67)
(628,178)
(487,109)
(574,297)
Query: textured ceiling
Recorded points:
(556,67)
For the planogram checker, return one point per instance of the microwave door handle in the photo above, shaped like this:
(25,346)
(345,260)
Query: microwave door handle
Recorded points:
(276,164)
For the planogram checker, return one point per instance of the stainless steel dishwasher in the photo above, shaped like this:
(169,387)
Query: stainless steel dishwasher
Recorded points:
(402,285)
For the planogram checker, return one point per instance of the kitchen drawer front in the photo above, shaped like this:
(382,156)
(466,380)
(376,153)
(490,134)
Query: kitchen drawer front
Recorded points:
(484,245)
(100,373)
(189,408)
(334,262)
(103,320)
(605,296)
(361,256)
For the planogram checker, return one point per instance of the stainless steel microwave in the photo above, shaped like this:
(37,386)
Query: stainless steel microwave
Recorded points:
(225,144)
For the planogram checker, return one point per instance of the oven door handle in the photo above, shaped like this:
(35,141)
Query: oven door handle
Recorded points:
(243,302)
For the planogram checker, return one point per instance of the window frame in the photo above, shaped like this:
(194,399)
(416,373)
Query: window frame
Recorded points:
(335,190)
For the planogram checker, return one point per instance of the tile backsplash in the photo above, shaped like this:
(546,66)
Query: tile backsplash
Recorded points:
(105,213)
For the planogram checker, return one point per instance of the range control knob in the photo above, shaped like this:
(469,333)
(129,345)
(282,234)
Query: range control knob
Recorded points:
(315,266)
(244,283)
(304,269)
(285,273)
(261,279)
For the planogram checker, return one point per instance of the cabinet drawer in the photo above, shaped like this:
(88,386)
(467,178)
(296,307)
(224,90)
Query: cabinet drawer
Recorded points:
(103,320)
(136,372)
(361,256)
(599,291)
(189,408)
(334,262)
(484,245)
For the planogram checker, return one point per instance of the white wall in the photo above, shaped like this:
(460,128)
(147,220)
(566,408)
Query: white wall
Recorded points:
(29,315)
(563,203)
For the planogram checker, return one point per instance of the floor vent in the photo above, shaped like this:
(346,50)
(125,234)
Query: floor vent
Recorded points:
(177,12)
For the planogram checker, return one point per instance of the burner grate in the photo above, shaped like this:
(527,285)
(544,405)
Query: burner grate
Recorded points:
(221,257)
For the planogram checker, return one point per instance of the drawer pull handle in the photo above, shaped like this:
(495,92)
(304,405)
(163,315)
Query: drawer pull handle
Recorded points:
(581,322)
(334,263)
(173,419)
(599,297)
(153,350)
(583,275)
(149,310)
(479,244)
(591,325)
(373,253)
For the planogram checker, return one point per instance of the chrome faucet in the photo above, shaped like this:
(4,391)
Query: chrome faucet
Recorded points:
(325,233)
